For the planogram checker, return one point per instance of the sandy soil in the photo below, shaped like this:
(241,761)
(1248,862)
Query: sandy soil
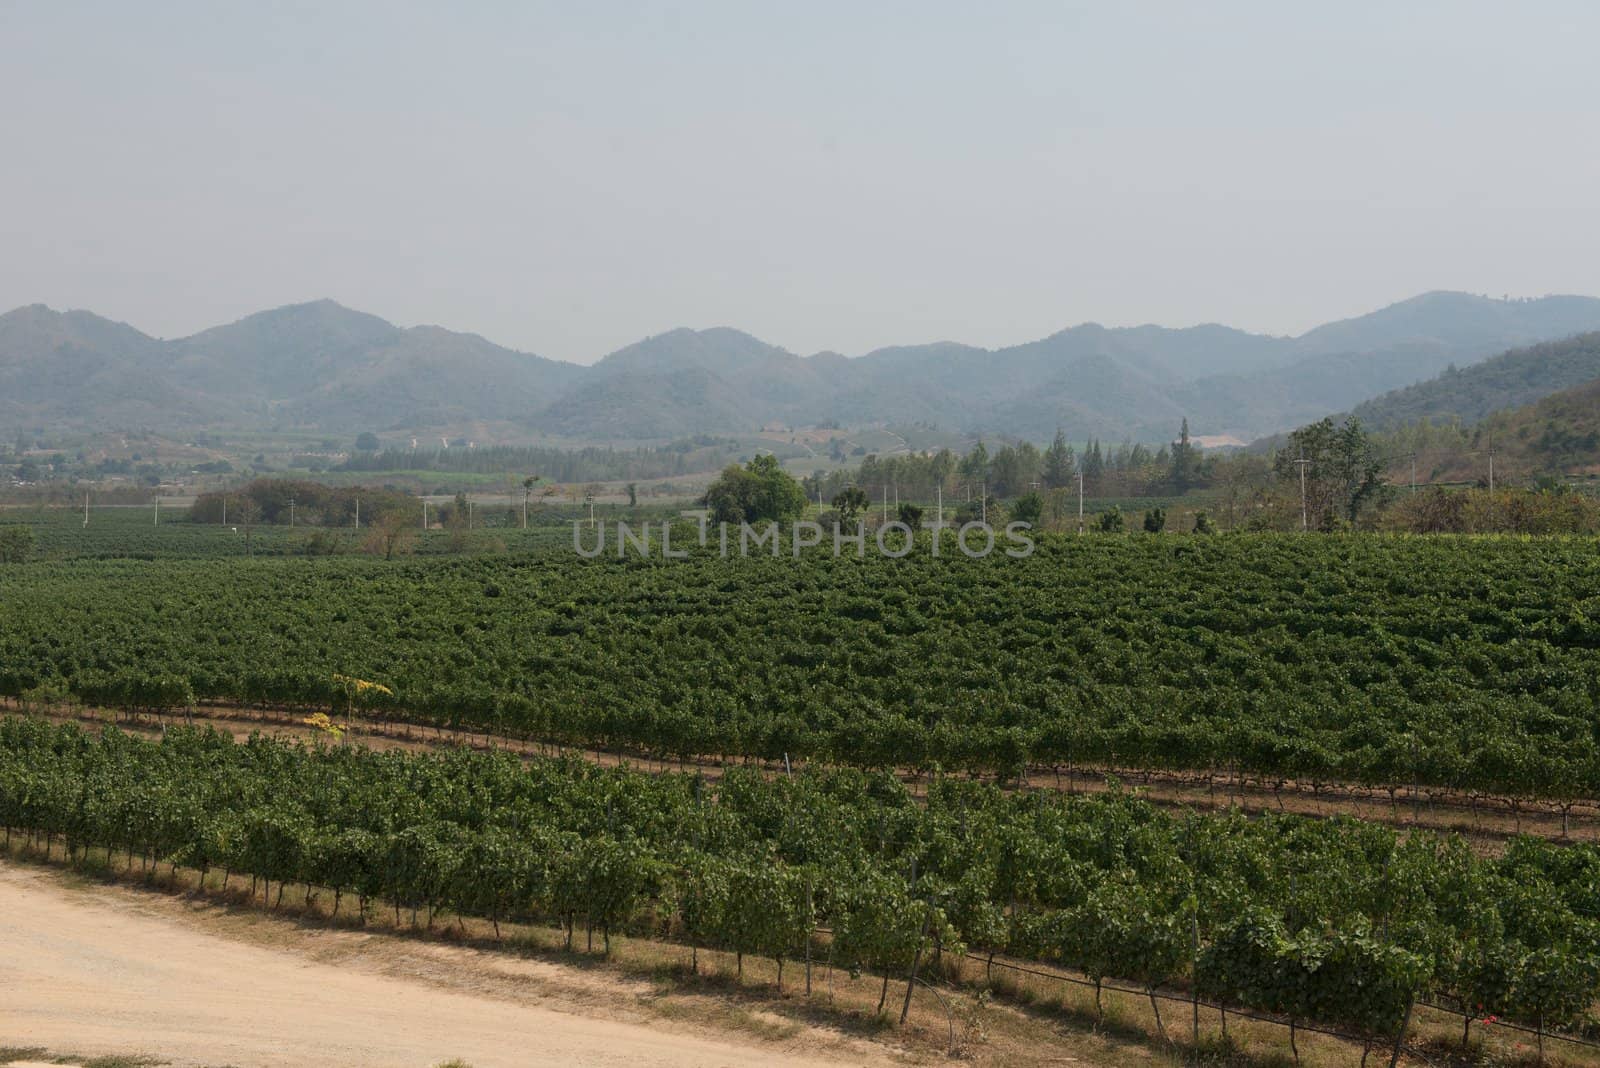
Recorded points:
(92,969)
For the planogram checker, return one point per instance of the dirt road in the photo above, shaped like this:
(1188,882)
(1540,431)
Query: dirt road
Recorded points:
(92,969)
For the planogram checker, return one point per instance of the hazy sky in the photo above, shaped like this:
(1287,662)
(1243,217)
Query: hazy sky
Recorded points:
(567,178)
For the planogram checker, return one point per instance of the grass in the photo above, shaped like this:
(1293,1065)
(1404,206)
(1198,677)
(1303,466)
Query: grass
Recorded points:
(16,1054)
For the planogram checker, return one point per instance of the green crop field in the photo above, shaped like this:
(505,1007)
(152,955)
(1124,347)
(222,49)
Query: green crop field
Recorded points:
(1464,663)
(1469,664)
(1330,922)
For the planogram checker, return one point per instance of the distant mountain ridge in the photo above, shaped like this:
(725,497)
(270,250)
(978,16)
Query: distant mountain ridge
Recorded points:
(1511,379)
(323,366)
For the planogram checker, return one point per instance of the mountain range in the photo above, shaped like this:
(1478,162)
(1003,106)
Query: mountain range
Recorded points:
(326,367)
(1467,395)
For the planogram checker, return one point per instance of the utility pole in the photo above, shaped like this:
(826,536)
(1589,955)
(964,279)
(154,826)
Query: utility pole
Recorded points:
(1413,473)
(1080,501)
(224,509)
(591,511)
(469,513)
(983,502)
(1491,472)
(886,502)
(424,513)
(158,510)
(291,513)
(358,513)
(85,507)
(940,512)
(1305,523)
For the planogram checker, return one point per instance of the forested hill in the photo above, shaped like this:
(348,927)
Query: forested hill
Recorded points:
(1558,435)
(1510,380)
(330,369)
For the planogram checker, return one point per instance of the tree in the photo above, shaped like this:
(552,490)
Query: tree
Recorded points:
(850,504)
(1155,520)
(1343,473)
(1094,464)
(1027,508)
(760,490)
(1111,521)
(367,441)
(910,514)
(1060,465)
(16,543)
(391,533)
(246,513)
(633,495)
(974,466)
(1185,461)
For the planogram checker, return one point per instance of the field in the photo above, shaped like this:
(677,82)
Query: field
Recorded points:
(870,744)
(1467,665)
(1351,923)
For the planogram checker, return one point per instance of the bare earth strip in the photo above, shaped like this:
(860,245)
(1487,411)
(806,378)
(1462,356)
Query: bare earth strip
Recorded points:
(99,970)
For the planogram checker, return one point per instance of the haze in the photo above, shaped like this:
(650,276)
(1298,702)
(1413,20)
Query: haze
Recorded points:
(568,178)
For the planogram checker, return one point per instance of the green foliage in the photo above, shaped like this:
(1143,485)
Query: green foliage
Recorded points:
(1344,659)
(16,543)
(1110,521)
(1155,521)
(850,502)
(1346,979)
(759,491)
(267,500)
(1342,471)
(1027,508)
(1335,922)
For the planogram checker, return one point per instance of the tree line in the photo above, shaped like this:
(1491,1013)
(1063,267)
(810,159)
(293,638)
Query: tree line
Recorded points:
(1330,922)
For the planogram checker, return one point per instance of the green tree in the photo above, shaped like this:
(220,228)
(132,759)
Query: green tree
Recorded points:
(1155,521)
(367,441)
(760,490)
(1111,521)
(974,466)
(1027,508)
(850,504)
(1343,473)
(16,544)
(1060,465)
(1185,461)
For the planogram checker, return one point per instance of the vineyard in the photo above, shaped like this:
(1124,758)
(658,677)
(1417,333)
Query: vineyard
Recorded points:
(1328,922)
(1466,664)
(131,533)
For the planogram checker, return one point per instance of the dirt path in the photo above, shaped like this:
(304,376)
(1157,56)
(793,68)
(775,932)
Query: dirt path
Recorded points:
(93,969)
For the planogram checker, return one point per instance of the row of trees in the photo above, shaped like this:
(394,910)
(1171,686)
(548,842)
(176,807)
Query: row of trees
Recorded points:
(1015,469)
(1327,922)
(278,501)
